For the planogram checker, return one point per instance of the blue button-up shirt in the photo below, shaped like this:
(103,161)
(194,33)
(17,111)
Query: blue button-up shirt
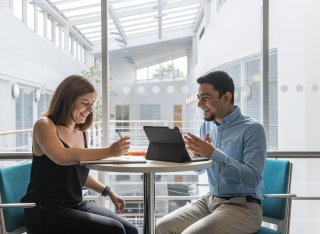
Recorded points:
(239,160)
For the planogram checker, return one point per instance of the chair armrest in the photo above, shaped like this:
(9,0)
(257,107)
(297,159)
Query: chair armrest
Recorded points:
(285,195)
(17,205)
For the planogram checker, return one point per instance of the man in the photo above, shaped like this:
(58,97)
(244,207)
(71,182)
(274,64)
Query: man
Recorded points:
(236,145)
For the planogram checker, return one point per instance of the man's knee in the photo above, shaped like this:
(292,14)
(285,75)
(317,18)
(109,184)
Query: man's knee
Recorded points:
(163,226)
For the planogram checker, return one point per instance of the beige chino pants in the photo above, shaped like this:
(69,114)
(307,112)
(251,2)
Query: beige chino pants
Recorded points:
(212,215)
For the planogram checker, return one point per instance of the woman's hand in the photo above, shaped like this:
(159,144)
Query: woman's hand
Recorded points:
(120,147)
(118,201)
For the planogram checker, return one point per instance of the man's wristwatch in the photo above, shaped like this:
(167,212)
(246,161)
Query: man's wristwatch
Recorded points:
(105,192)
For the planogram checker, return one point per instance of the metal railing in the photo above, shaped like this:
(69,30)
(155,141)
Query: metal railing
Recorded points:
(9,141)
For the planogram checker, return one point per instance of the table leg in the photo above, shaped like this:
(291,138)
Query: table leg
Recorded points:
(149,203)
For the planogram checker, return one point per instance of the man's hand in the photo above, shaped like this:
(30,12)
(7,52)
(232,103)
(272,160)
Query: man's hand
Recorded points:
(199,147)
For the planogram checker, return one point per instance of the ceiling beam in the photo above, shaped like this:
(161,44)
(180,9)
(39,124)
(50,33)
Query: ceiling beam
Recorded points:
(117,23)
(161,3)
(198,19)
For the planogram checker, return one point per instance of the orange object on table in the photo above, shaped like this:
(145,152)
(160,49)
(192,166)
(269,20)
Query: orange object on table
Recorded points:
(137,153)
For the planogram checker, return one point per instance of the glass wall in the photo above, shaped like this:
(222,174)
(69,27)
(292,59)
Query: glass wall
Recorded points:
(295,37)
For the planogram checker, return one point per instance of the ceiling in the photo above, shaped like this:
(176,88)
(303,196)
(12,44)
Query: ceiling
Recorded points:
(130,22)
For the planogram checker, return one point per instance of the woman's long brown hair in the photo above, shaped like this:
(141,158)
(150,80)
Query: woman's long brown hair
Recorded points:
(63,100)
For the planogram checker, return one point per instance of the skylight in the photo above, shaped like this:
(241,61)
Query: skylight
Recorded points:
(128,18)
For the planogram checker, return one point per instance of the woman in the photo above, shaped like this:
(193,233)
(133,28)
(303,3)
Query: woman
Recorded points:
(59,144)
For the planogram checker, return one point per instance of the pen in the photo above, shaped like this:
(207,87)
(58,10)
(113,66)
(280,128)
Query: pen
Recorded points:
(119,134)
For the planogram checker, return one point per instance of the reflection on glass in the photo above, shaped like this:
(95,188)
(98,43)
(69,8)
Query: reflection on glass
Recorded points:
(49,28)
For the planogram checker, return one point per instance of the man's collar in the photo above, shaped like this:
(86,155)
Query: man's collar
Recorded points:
(231,117)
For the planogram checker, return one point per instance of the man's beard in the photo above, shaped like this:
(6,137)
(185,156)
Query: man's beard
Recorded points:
(209,119)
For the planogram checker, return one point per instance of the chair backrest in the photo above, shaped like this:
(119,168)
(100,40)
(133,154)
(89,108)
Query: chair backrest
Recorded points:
(277,180)
(14,180)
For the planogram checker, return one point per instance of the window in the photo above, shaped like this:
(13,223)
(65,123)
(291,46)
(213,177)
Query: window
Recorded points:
(122,113)
(273,102)
(142,74)
(180,67)
(30,14)
(24,116)
(57,34)
(17,9)
(251,89)
(168,69)
(150,112)
(247,80)
(153,72)
(49,28)
(40,21)
(43,104)
(235,72)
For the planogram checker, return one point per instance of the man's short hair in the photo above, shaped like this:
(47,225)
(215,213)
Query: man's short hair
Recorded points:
(220,80)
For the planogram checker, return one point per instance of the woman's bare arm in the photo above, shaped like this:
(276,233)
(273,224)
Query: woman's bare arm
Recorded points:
(46,141)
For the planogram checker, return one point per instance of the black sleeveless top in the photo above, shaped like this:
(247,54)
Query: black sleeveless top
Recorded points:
(53,183)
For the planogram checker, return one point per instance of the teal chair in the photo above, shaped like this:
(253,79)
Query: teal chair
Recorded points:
(277,203)
(14,180)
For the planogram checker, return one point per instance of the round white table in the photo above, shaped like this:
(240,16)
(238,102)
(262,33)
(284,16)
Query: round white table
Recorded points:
(149,169)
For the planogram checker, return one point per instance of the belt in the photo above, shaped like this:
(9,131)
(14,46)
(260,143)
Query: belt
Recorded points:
(248,198)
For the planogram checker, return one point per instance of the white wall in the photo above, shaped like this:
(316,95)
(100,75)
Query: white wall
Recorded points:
(28,59)
(28,56)
(233,33)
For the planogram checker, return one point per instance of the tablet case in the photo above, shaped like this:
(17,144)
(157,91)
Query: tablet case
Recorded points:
(166,144)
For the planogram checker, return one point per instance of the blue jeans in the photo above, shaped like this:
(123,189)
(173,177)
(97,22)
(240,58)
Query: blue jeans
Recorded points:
(84,217)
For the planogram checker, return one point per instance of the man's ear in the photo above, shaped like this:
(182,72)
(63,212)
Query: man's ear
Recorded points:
(227,96)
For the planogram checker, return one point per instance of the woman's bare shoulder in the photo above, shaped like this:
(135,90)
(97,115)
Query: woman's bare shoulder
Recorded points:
(44,122)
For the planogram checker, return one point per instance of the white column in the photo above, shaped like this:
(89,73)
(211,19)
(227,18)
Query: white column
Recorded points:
(53,30)
(36,26)
(66,39)
(45,24)
(24,12)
